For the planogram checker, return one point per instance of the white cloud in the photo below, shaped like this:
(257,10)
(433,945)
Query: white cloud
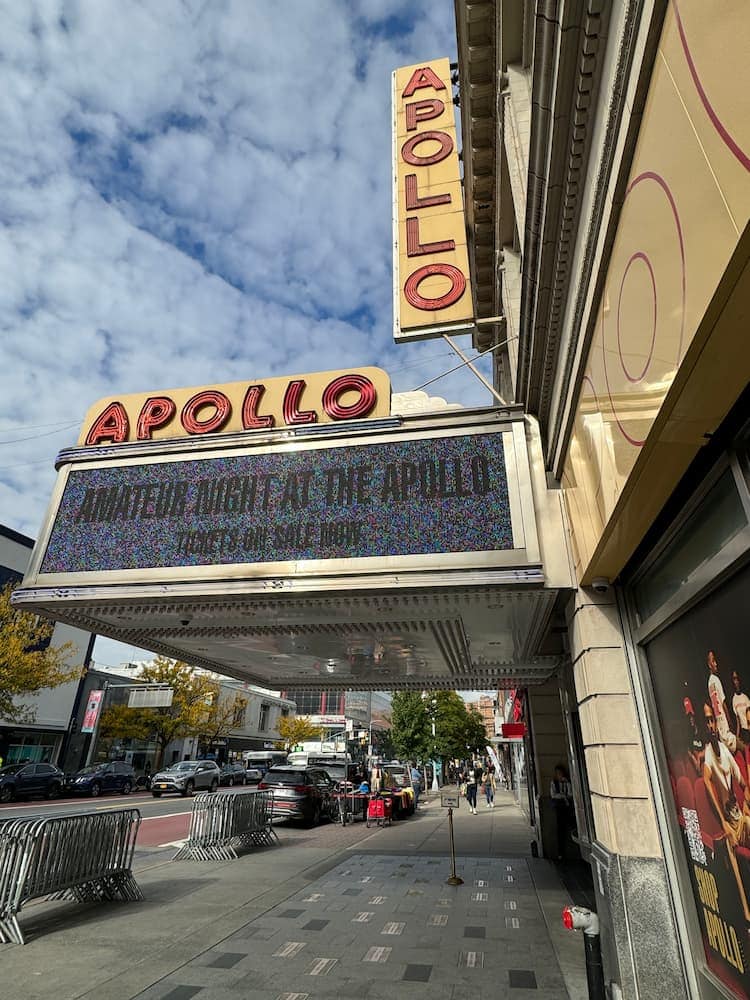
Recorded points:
(194,193)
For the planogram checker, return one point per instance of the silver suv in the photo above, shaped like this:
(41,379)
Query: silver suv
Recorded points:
(186,777)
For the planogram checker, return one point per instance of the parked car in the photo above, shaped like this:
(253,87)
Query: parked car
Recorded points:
(305,793)
(98,779)
(233,774)
(24,780)
(186,777)
(254,775)
(344,773)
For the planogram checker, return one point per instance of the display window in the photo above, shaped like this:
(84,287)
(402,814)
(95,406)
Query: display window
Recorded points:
(690,604)
(700,673)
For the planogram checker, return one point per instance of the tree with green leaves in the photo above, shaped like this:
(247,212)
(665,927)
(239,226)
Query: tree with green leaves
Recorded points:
(476,734)
(410,726)
(28,663)
(459,732)
(294,729)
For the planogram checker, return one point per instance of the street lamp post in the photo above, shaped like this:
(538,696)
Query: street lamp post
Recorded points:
(435,782)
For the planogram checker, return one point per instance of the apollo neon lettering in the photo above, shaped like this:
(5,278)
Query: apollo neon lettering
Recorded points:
(418,151)
(209,410)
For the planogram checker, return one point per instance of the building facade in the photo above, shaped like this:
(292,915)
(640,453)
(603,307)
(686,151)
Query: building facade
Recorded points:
(486,707)
(606,152)
(255,722)
(44,738)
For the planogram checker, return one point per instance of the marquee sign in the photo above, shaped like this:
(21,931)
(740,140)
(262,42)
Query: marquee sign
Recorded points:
(431,265)
(324,397)
(408,497)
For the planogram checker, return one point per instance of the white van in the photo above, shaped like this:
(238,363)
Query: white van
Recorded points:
(263,759)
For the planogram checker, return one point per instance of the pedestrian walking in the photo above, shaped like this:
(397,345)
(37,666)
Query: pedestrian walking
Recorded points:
(490,785)
(471,791)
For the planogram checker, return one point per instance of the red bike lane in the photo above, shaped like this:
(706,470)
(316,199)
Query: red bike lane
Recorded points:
(158,830)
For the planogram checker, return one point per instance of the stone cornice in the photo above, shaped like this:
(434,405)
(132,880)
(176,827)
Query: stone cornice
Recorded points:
(609,182)
(567,67)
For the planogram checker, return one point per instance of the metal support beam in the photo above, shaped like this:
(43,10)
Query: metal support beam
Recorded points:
(476,371)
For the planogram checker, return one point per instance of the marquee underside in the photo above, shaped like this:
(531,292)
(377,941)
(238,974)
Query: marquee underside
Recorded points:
(458,638)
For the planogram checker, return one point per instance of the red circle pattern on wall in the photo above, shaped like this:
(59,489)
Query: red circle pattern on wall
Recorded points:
(717,123)
(641,255)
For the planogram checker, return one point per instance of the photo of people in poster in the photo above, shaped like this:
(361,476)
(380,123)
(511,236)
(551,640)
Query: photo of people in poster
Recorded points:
(700,671)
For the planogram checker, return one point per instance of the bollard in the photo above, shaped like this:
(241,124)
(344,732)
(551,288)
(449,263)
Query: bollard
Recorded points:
(453,879)
(577,918)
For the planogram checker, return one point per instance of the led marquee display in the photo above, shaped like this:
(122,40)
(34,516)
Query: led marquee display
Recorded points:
(395,498)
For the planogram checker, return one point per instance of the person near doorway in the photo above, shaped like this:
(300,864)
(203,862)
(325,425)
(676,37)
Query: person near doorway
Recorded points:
(416,781)
(561,793)
(490,785)
(376,778)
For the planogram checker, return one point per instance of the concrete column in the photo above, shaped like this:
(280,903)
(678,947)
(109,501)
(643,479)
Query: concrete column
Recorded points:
(639,937)
(624,816)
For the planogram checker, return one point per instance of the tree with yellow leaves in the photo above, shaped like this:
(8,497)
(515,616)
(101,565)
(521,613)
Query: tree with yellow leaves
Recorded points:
(28,663)
(294,729)
(192,700)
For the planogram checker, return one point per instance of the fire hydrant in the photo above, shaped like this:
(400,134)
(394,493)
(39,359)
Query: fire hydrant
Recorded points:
(578,918)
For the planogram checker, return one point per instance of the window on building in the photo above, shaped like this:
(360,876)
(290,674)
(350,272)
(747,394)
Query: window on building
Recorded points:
(264,715)
(285,712)
(240,711)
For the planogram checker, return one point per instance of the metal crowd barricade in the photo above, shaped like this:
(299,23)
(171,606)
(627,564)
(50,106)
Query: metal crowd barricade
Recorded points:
(81,856)
(222,823)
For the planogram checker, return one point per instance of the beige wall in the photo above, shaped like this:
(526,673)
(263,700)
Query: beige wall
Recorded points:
(550,739)
(621,802)
(687,202)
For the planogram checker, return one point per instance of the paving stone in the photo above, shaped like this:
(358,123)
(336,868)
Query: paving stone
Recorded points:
(417,973)
(377,954)
(523,979)
(475,932)
(289,949)
(225,960)
(471,959)
(315,925)
(183,993)
(322,966)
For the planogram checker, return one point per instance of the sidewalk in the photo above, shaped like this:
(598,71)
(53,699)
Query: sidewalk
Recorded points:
(337,912)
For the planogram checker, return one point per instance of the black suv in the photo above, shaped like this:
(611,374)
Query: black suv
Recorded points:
(24,780)
(306,793)
(98,779)
(233,774)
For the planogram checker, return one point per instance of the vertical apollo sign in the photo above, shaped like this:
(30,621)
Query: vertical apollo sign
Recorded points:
(432,290)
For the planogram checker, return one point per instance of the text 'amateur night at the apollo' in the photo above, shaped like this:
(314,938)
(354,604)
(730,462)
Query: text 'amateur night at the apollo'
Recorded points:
(333,490)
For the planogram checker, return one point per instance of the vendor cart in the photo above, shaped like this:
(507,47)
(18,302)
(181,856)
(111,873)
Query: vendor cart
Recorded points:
(379,810)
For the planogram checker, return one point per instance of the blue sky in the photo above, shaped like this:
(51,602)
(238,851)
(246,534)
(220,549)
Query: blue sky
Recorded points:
(195,193)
